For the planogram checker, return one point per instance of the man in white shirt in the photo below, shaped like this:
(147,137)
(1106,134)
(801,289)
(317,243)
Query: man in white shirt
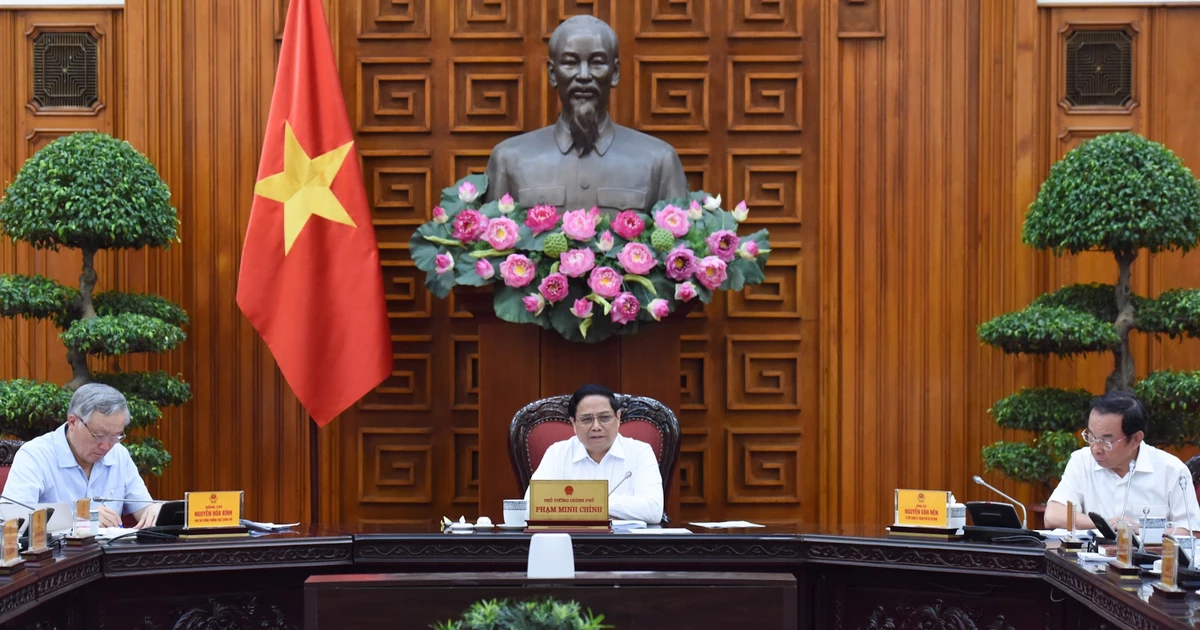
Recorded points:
(83,458)
(599,451)
(1117,462)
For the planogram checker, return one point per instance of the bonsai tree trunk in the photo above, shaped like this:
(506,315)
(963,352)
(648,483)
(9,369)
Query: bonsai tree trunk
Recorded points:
(80,373)
(1122,375)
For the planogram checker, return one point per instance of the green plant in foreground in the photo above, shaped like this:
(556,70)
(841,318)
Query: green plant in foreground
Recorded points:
(539,614)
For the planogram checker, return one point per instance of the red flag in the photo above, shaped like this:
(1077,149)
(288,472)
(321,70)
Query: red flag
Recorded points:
(310,280)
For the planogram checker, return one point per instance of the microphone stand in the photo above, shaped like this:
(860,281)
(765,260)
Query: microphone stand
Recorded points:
(1187,506)
(979,480)
(1128,488)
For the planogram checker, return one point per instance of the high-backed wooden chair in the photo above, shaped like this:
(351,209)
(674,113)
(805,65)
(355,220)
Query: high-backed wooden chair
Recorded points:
(540,424)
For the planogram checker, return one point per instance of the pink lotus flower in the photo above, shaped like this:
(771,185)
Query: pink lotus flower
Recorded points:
(695,212)
(582,308)
(443,262)
(542,218)
(748,250)
(741,211)
(484,268)
(439,214)
(606,241)
(711,272)
(534,303)
(577,262)
(506,204)
(580,225)
(467,192)
(658,309)
(681,263)
(625,308)
(723,244)
(469,225)
(685,292)
(636,258)
(553,287)
(605,281)
(517,270)
(674,220)
(712,203)
(501,233)
(628,225)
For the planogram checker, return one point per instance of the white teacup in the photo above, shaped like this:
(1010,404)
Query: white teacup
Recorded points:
(515,511)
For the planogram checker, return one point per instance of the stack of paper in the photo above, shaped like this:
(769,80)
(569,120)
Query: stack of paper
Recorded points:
(726,524)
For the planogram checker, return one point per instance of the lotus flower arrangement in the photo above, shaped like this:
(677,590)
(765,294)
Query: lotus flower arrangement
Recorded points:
(579,272)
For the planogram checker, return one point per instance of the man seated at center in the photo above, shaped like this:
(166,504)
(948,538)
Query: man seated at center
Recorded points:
(599,451)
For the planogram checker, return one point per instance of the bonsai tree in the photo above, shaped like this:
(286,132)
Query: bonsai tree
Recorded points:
(546,614)
(1123,194)
(91,192)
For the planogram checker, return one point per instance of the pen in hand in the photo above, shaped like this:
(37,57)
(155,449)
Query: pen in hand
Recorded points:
(627,475)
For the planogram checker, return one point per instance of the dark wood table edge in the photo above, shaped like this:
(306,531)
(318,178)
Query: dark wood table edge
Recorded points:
(1017,562)
(134,560)
(1105,598)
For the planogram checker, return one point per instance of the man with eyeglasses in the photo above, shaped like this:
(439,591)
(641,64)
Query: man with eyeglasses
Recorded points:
(599,451)
(84,458)
(1098,476)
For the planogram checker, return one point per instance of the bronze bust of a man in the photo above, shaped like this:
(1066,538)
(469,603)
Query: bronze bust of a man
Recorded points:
(585,159)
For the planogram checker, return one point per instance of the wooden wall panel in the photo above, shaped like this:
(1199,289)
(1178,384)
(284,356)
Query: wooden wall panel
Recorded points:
(189,85)
(740,102)
(903,228)
(892,146)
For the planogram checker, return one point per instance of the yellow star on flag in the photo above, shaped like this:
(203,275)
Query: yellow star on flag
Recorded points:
(303,187)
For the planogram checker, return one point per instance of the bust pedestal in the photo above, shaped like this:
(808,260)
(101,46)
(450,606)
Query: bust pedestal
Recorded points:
(521,363)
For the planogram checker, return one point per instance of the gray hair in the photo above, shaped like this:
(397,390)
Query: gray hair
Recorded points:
(97,397)
(589,23)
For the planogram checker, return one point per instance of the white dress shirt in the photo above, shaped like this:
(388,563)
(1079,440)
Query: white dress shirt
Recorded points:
(639,498)
(1154,483)
(45,471)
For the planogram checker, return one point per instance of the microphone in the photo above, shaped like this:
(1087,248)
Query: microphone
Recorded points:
(979,480)
(27,507)
(628,474)
(108,500)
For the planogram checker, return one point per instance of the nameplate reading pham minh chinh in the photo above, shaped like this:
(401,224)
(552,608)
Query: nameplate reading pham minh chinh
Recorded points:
(922,508)
(213,510)
(568,504)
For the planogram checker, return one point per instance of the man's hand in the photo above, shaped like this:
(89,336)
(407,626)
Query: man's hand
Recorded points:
(147,516)
(108,517)
(1113,520)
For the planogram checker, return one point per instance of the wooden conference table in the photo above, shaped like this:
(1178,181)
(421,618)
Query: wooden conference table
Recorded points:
(852,577)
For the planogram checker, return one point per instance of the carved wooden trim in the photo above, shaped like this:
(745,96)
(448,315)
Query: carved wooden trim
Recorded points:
(19,598)
(385,549)
(983,560)
(1098,600)
(217,558)
(69,577)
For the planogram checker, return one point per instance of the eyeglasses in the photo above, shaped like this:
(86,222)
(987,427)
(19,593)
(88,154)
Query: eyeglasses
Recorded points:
(604,419)
(114,439)
(1091,439)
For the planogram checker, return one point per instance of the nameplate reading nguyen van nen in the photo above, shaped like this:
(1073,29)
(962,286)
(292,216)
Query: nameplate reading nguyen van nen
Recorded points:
(571,500)
(922,508)
(213,509)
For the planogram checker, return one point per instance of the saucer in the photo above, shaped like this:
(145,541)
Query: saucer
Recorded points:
(510,527)
(484,527)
